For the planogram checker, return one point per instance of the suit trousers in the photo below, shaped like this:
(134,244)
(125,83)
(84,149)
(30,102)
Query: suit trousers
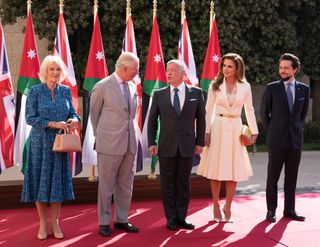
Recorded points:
(115,177)
(175,185)
(290,157)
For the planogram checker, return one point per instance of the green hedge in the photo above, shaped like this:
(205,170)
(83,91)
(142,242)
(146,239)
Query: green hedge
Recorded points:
(311,133)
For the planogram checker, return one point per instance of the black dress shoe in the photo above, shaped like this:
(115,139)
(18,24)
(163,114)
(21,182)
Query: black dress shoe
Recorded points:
(104,230)
(293,215)
(271,216)
(172,225)
(126,227)
(185,224)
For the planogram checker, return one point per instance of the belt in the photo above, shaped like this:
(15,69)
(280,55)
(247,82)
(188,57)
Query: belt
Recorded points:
(228,115)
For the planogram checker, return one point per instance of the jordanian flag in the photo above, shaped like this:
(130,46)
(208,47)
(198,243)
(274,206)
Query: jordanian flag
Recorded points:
(6,109)
(28,76)
(211,62)
(155,78)
(96,70)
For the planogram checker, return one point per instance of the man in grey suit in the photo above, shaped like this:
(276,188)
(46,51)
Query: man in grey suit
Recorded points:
(284,108)
(181,111)
(112,112)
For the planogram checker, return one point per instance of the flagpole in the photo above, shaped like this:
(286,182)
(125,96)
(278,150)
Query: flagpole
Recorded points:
(128,9)
(95,9)
(154,9)
(29,2)
(152,175)
(93,177)
(212,16)
(183,12)
(61,6)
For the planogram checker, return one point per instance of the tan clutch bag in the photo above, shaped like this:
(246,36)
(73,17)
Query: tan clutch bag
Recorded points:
(246,136)
(66,141)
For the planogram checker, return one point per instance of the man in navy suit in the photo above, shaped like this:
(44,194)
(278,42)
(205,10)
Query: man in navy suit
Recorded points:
(181,111)
(284,108)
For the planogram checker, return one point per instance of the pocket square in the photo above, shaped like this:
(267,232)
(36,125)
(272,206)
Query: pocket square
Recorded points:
(193,99)
(301,98)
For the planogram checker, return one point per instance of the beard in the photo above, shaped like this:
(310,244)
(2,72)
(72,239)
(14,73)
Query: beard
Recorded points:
(285,77)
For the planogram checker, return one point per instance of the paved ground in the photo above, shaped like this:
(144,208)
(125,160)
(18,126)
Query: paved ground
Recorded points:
(308,180)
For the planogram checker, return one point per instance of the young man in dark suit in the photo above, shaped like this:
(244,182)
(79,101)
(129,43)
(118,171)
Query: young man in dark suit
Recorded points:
(284,108)
(181,112)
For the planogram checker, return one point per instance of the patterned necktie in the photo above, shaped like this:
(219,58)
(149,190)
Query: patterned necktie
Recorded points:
(126,94)
(176,101)
(289,96)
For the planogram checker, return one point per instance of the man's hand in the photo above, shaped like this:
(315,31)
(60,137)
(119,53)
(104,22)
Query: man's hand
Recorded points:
(198,150)
(153,150)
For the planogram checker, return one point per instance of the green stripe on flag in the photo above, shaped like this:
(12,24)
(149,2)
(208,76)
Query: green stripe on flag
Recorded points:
(25,83)
(24,156)
(204,83)
(89,83)
(150,85)
(155,159)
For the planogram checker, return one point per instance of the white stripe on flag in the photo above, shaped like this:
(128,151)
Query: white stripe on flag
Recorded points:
(22,134)
(89,155)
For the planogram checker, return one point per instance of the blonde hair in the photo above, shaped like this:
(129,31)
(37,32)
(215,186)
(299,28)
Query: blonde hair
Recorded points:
(48,60)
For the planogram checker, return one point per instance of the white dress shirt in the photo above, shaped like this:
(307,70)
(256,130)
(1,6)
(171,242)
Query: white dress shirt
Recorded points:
(293,86)
(181,94)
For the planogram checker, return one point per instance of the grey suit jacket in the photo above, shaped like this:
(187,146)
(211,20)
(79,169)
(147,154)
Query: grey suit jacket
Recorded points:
(112,122)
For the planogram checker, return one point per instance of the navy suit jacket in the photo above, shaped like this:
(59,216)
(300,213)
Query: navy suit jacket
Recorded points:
(181,132)
(280,123)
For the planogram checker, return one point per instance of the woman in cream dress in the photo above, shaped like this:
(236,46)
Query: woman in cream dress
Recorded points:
(225,158)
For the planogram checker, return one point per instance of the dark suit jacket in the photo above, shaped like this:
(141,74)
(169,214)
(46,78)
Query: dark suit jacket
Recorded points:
(276,115)
(177,131)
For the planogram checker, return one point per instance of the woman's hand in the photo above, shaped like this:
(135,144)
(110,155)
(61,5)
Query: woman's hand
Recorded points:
(62,125)
(207,139)
(72,123)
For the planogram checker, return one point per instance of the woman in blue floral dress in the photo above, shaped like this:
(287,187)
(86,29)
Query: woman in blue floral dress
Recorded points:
(48,175)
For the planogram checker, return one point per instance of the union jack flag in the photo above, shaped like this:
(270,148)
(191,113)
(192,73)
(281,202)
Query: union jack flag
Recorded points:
(62,49)
(185,54)
(7,109)
(129,45)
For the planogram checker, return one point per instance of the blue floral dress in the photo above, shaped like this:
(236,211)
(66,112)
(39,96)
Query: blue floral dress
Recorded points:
(48,174)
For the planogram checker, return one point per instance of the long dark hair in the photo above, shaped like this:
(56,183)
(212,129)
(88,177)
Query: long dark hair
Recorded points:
(240,70)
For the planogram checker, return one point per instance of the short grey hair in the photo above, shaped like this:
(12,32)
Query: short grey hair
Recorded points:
(126,59)
(48,60)
(177,62)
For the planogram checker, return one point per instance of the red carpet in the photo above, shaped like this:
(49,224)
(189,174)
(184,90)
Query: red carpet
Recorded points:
(18,227)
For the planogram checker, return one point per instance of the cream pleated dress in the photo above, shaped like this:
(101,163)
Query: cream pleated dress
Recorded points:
(226,159)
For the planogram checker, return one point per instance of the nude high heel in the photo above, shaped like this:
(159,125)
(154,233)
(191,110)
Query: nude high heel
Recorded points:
(42,235)
(57,234)
(227,215)
(217,214)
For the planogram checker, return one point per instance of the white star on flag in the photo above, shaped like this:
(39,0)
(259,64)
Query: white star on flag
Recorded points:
(99,55)
(215,58)
(31,53)
(157,58)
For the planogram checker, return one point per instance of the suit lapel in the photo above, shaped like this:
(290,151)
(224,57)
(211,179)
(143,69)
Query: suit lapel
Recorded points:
(167,100)
(298,94)
(115,87)
(186,99)
(223,90)
(283,93)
